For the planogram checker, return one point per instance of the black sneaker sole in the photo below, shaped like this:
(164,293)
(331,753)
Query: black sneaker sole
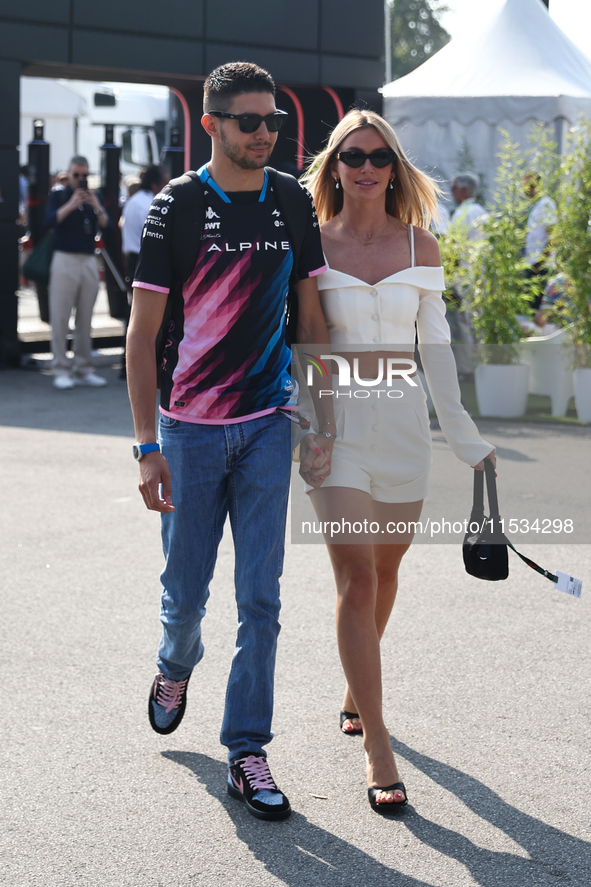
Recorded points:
(254,811)
(164,731)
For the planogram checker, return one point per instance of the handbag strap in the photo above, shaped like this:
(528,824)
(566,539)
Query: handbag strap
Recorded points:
(491,488)
(493,501)
(532,564)
(477,514)
(491,491)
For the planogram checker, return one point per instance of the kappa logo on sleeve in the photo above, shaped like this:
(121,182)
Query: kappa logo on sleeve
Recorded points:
(210,213)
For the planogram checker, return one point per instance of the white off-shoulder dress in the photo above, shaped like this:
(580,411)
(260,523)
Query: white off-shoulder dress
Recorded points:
(383,444)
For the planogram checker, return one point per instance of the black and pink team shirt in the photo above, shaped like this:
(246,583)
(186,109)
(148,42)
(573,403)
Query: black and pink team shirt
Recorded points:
(226,359)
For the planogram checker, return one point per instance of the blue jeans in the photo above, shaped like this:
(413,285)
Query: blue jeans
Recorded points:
(242,470)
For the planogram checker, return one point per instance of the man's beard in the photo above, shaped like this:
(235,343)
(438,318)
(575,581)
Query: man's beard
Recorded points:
(234,154)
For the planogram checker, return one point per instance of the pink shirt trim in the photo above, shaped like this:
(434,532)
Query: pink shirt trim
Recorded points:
(219,421)
(317,272)
(150,286)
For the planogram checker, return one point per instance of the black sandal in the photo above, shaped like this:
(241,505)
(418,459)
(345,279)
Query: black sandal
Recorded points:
(387,806)
(347,716)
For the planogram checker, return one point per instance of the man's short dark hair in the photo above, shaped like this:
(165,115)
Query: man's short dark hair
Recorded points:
(78,160)
(152,175)
(230,80)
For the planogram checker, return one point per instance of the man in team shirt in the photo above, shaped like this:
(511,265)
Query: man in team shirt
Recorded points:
(224,432)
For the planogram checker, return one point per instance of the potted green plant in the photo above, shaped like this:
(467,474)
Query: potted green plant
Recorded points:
(498,293)
(572,240)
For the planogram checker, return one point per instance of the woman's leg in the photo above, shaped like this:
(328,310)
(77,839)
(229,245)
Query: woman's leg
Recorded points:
(357,633)
(387,560)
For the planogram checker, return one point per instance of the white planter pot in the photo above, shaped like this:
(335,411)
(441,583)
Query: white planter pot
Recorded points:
(501,390)
(582,386)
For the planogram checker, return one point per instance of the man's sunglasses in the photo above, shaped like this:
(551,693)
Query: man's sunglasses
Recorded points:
(251,122)
(356,159)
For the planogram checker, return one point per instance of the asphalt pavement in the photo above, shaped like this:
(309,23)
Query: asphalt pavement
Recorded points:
(487,686)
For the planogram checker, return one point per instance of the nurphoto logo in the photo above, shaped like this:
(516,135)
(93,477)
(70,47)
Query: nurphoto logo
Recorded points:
(397,368)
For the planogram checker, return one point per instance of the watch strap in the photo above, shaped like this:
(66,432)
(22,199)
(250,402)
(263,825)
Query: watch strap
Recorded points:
(144,449)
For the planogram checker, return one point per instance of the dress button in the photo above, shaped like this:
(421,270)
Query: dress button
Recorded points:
(376,338)
(375,427)
(373,292)
(374,316)
(374,446)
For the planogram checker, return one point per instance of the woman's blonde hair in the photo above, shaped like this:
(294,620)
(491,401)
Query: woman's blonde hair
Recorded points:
(413,199)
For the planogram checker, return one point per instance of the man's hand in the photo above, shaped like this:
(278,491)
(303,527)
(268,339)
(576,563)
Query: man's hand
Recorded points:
(78,197)
(154,476)
(91,198)
(315,458)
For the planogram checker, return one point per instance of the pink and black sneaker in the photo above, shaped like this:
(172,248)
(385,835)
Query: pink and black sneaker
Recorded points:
(167,703)
(250,781)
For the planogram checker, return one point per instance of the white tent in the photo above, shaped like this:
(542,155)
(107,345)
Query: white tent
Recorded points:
(521,68)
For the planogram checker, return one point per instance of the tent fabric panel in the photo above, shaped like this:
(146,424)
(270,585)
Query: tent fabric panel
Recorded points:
(491,109)
(521,52)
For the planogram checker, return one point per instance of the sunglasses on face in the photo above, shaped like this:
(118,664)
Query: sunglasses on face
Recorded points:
(356,159)
(251,122)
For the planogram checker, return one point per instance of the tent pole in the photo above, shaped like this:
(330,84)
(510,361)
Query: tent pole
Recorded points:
(387,41)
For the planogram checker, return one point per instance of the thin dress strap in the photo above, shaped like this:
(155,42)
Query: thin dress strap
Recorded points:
(411,235)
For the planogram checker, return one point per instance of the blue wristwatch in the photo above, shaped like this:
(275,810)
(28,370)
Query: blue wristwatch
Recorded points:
(140,450)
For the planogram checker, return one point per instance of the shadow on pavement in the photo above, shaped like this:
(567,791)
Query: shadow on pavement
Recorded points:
(295,851)
(555,856)
(29,400)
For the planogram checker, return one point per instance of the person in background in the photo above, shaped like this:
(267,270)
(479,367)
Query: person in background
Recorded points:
(60,181)
(441,219)
(467,219)
(132,185)
(541,218)
(134,214)
(77,215)
(23,185)
(468,211)
(133,217)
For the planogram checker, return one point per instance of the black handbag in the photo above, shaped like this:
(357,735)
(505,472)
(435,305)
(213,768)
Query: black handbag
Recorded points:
(485,545)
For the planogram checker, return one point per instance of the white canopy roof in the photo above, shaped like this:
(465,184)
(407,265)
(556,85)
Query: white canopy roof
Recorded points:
(520,66)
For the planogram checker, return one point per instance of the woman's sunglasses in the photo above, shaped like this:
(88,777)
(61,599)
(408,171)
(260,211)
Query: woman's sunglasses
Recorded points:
(251,122)
(356,159)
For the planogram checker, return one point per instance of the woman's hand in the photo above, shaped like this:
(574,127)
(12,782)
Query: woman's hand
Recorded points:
(315,458)
(492,457)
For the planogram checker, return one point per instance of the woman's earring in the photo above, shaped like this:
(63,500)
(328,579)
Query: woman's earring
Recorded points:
(391,184)
(337,184)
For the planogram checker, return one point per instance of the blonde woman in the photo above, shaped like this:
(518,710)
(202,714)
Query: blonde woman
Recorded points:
(383,280)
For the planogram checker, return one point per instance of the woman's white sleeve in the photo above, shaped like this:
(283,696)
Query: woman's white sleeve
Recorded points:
(442,378)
